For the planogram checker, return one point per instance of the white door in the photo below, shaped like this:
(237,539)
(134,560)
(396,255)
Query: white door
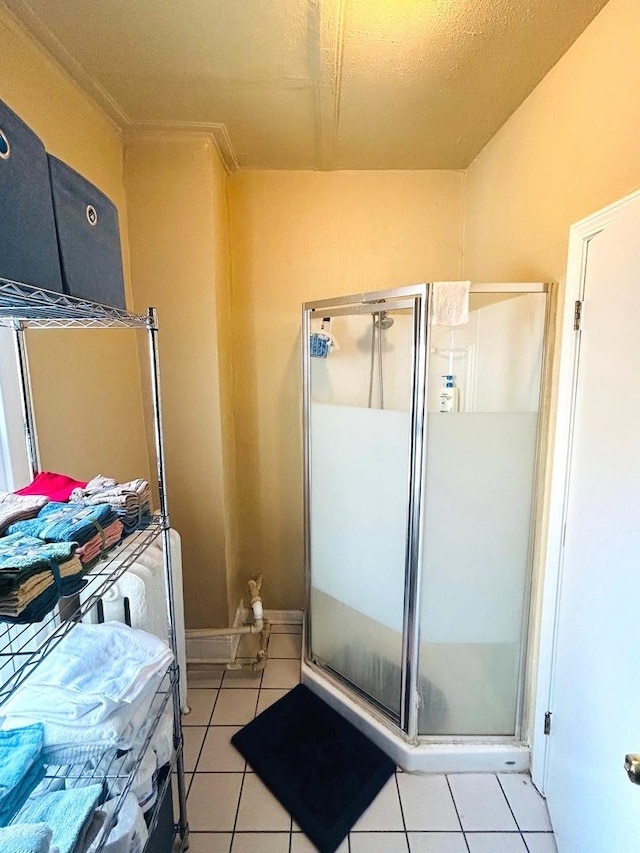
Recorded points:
(595,699)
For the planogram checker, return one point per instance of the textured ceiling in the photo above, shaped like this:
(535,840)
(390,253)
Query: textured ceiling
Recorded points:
(314,84)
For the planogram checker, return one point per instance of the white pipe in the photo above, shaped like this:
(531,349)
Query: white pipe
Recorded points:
(203,633)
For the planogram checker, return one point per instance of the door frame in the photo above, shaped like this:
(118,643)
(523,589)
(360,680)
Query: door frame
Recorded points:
(417,297)
(580,235)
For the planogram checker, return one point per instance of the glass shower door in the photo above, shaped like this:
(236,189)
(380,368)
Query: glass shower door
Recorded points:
(478,499)
(359,411)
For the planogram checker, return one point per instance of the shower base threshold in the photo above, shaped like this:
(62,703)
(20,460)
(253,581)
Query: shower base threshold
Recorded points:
(459,757)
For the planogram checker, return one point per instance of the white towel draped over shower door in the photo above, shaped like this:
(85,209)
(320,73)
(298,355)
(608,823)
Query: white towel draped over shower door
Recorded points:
(450,303)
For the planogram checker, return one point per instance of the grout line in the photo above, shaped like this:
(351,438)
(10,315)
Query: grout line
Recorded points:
(455,805)
(404,823)
(509,804)
(197,761)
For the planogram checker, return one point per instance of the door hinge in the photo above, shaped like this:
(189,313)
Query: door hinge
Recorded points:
(577,316)
(547,723)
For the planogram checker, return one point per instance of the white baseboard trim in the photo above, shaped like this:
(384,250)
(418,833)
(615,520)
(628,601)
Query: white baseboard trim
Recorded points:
(284,617)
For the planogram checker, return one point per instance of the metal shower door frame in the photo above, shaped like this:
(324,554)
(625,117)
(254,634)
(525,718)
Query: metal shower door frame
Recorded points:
(417,297)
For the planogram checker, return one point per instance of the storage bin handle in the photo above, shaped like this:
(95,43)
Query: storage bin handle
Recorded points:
(92,215)
(5,148)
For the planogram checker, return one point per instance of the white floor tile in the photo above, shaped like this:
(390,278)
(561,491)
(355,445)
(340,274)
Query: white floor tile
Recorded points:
(218,754)
(378,842)
(201,703)
(260,842)
(301,844)
(235,707)
(285,646)
(481,804)
(193,737)
(495,842)
(384,813)
(213,801)
(268,697)
(437,842)
(241,678)
(259,809)
(281,673)
(528,807)
(427,803)
(209,842)
(540,842)
(206,676)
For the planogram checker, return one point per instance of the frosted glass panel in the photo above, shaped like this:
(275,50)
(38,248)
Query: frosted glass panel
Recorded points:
(359,488)
(478,501)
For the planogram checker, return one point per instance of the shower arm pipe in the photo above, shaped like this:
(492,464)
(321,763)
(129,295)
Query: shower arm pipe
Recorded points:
(380,373)
(371,363)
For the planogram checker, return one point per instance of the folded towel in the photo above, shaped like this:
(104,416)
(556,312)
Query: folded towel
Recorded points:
(75,745)
(91,673)
(26,838)
(21,767)
(60,522)
(23,556)
(129,500)
(450,303)
(16,507)
(56,487)
(101,543)
(67,812)
(43,603)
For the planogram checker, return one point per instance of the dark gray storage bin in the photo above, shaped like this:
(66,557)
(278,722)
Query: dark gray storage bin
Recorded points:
(28,245)
(88,237)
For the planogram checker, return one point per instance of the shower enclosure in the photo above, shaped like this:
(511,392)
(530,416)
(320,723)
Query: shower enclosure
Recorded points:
(420,522)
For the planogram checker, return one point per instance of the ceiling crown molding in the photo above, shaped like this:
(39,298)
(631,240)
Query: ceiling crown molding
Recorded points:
(27,21)
(217,131)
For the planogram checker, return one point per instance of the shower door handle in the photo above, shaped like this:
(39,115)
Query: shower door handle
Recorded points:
(632,766)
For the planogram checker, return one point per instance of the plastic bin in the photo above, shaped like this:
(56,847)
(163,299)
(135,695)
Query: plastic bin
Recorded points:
(28,245)
(88,237)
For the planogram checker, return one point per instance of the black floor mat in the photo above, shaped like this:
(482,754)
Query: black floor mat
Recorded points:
(322,769)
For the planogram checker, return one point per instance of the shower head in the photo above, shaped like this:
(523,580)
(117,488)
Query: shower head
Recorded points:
(383,321)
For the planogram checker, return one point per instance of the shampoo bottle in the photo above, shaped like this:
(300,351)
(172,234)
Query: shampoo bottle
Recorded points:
(449,394)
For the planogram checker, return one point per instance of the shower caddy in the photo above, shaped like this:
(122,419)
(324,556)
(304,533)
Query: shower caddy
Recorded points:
(24,307)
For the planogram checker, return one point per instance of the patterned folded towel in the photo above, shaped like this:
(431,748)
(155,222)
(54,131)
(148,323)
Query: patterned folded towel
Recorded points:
(21,767)
(22,556)
(26,838)
(67,812)
(56,487)
(16,507)
(130,500)
(60,522)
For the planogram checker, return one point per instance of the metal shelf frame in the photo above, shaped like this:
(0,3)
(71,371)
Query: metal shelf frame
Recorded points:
(25,307)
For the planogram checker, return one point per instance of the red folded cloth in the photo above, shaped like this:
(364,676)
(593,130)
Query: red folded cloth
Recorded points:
(56,487)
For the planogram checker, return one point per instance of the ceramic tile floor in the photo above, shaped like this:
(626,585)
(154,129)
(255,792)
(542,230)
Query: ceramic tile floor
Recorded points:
(230,810)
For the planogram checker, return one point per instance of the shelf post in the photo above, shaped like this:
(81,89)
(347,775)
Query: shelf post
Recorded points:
(26,399)
(154,358)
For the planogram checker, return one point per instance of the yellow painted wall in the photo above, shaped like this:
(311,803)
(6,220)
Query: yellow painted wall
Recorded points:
(569,150)
(86,384)
(299,236)
(177,199)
